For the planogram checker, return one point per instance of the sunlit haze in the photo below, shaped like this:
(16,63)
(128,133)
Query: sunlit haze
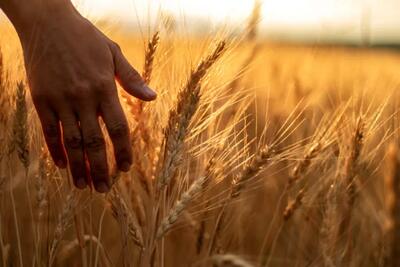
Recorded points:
(312,19)
(344,20)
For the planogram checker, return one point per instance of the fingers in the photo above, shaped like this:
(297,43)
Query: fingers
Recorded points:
(129,78)
(118,130)
(73,144)
(86,141)
(52,134)
(95,148)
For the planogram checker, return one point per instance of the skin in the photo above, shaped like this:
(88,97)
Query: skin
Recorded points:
(71,69)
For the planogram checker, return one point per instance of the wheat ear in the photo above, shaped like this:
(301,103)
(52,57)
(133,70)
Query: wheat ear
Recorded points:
(146,76)
(257,164)
(20,127)
(352,160)
(169,221)
(149,58)
(63,223)
(254,21)
(135,108)
(302,166)
(181,115)
(126,219)
(293,205)
(350,173)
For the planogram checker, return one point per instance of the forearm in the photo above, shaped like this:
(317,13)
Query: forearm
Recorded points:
(25,15)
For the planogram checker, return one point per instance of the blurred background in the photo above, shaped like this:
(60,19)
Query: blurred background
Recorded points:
(365,22)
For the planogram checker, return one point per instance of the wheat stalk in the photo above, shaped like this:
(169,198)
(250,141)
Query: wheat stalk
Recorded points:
(1,67)
(329,226)
(349,175)
(169,221)
(3,96)
(352,160)
(254,21)
(229,260)
(147,72)
(64,220)
(149,58)
(181,115)
(136,107)
(260,161)
(138,207)
(46,171)
(41,186)
(302,166)
(293,205)
(126,219)
(20,127)
(393,203)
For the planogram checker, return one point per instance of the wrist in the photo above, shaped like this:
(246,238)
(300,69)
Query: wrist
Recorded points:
(28,18)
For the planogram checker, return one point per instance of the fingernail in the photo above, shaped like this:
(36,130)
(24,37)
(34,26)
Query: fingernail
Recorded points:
(125,166)
(81,183)
(61,164)
(102,187)
(149,92)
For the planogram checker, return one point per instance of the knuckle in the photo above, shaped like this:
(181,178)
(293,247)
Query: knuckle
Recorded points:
(78,92)
(51,130)
(104,87)
(78,168)
(119,130)
(101,83)
(99,170)
(98,84)
(94,142)
(73,142)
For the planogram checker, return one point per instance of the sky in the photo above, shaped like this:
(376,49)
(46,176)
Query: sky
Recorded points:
(345,20)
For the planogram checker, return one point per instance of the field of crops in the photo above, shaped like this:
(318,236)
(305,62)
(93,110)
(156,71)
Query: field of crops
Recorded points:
(254,154)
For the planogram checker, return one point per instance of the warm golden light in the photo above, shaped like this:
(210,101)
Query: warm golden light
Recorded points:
(311,20)
(333,18)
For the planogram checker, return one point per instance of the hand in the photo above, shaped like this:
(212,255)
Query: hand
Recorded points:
(71,68)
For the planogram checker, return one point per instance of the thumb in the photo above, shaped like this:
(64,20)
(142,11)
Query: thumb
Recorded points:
(129,78)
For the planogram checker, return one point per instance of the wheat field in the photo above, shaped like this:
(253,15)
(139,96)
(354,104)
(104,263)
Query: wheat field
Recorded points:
(255,154)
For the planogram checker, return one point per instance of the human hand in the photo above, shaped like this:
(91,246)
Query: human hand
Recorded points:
(71,68)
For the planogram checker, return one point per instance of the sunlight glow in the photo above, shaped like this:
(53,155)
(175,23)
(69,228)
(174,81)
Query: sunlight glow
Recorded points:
(340,18)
